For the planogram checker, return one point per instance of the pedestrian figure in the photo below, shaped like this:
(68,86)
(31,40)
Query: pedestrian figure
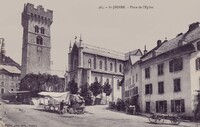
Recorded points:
(61,106)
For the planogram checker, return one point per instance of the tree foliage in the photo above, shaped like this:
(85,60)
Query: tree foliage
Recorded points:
(96,88)
(42,82)
(86,94)
(107,89)
(73,87)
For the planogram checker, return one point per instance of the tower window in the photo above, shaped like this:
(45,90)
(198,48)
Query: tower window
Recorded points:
(42,19)
(39,40)
(36,29)
(31,16)
(45,20)
(38,18)
(42,30)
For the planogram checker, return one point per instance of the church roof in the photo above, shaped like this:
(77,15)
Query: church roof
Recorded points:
(100,51)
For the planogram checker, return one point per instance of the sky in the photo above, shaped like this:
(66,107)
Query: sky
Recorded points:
(122,30)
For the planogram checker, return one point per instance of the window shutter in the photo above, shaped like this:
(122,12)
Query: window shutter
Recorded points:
(151,90)
(172,105)
(146,87)
(182,105)
(157,106)
(165,106)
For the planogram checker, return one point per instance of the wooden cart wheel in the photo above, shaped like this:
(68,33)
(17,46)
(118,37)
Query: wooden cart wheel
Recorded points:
(176,120)
(152,118)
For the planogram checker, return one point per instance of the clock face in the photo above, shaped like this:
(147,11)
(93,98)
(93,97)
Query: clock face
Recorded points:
(39,49)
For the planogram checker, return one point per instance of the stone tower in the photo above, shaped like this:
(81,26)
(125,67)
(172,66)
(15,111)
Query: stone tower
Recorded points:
(36,47)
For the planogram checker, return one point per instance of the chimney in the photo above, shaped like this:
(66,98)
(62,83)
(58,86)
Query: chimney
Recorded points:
(159,42)
(193,26)
(145,50)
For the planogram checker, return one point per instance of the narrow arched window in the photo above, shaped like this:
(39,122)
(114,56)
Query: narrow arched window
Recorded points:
(36,29)
(111,66)
(38,18)
(42,30)
(42,19)
(45,20)
(120,68)
(100,65)
(31,16)
(39,40)
(89,63)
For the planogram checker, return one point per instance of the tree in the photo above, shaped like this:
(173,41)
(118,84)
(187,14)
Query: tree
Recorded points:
(73,87)
(41,82)
(96,88)
(86,94)
(107,89)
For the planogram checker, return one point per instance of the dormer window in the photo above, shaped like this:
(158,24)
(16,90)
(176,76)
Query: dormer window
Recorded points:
(180,43)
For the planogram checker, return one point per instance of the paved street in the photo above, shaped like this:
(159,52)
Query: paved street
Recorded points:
(95,116)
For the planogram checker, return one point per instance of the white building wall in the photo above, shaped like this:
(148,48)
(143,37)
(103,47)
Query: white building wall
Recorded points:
(168,79)
(195,78)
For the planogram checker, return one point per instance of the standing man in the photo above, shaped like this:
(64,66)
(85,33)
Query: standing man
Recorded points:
(61,106)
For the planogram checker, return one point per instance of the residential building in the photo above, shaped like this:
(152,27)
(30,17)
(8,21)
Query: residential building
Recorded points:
(170,74)
(9,72)
(132,81)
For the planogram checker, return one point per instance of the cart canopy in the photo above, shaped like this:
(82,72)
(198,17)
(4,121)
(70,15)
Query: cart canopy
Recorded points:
(56,95)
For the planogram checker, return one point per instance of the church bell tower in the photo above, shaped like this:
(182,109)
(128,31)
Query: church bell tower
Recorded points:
(36,47)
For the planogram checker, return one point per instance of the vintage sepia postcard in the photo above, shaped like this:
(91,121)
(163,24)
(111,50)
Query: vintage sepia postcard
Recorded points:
(102,63)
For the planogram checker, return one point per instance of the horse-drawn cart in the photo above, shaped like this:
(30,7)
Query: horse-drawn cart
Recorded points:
(160,118)
(50,101)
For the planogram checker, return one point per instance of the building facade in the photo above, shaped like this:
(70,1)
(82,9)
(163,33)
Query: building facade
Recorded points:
(36,45)
(89,63)
(132,89)
(9,72)
(170,74)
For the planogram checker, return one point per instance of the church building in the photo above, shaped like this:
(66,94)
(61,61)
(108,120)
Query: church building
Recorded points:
(87,63)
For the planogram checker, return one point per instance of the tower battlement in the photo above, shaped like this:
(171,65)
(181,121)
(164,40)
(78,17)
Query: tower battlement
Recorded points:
(37,14)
